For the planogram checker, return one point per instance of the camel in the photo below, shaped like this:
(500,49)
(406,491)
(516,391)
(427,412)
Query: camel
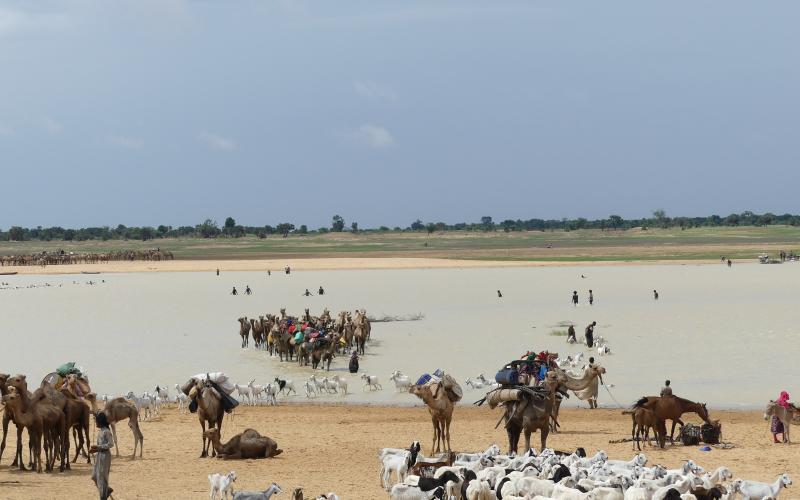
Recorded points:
(244,331)
(529,415)
(30,420)
(785,415)
(671,408)
(77,418)
(52,408)
(323,353)
(590,392)
(119,409)
(257,328)
(248,444)
(209,409)
(441,410)
(583,385)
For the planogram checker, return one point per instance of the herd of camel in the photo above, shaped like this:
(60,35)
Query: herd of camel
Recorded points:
(60,257)
(49,414)
(308,339)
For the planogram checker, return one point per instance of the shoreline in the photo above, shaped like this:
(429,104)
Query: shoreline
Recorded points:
(323,264)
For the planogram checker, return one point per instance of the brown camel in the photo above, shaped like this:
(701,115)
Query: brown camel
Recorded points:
(209,410)
(531,414)
(244,331)
(671,408)
(77,418)
(441,410)
(323,353)
(248,444)
(30,420)
(119,409)
(257,328)
(51,405)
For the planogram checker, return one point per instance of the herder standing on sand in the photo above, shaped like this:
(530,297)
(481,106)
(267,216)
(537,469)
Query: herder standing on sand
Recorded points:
(590,334)
(102,462)
(666,390)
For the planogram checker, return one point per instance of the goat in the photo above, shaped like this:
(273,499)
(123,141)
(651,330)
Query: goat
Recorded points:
(328,496)
(719,476)
(406,492)
(751,490)
(181,399)
(163,394)
(341,384)
(319,384)
(258,495)
(311,390)
(242,390)
(221,485)
(475,384)
(329,385)
(271,391)
(287,385)
(371,382)
(401,382)
(479,490)
(255,391)
(398,464)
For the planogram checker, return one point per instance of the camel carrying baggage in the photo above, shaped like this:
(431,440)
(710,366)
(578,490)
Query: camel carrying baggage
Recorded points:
(220,382)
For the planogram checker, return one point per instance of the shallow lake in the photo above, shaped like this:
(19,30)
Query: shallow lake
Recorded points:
(728,337)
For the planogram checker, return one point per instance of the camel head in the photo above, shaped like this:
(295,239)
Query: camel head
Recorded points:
(12,399)
(19,382)
(212,433)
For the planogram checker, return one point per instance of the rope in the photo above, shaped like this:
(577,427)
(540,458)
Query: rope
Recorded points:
(612,396)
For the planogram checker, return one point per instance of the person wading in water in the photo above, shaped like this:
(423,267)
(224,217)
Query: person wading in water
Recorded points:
(571,337)
(499,294)
(234,292)
(655,294)
(590,334)
(321,291)
(575,298)
(591,298)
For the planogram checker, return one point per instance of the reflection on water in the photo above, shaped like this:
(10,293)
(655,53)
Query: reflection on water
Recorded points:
(725,336)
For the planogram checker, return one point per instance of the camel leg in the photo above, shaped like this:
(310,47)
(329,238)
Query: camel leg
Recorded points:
(114,435)
(513,432)
(203,426)
(18,453)
(447,433)
(434,445)
(6,420)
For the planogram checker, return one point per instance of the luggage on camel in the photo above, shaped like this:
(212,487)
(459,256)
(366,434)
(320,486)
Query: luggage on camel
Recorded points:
(220,382)
(454,392)
(507,376)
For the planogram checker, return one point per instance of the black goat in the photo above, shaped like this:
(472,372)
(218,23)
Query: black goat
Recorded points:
(469,475)
(428,484)
(561,471)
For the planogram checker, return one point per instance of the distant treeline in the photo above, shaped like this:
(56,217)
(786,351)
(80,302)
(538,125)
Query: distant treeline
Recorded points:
(230,229)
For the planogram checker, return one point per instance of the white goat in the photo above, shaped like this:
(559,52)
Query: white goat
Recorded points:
(479,490)
(394,463)
(371,382)
(258,495)
(319,384)
(221,485)
(271,392)
(243,391)
(329,385)
(753,490)
(341,384)
(255,391)
(311,390)
(401,382)
(475,384)
(406,492)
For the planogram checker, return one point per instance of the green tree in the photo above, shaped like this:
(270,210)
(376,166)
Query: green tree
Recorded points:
(303,229)
(417,225)
(284,228)
(487,223)
(16,233)
(661,217)
(337,224)
(354,227)
(430,227)
(615,220)
(147,233)
(230,223)
(208,229)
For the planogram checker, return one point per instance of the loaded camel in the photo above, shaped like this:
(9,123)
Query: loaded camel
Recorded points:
(533,413)
(209,410)
(441,410)
(248,444)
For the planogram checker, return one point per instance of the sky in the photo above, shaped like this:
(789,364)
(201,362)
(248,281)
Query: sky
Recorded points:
(147,112)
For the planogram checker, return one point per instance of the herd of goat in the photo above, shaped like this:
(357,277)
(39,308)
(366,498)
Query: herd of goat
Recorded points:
(551,474)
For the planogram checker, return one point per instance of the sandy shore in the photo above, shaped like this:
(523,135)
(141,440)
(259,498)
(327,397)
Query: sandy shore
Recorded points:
(277,265)
(333,448)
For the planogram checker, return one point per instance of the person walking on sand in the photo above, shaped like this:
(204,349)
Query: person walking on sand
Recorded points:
(776,426)
(102,462)
(591,298)
(575,298)
(590,334)
(655,294)
(234,292)
(666,390)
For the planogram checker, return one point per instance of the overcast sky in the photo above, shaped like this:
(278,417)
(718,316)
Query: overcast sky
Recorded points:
(148,112)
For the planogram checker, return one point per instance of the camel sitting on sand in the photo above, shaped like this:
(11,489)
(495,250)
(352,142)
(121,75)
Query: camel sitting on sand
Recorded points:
(248,444)
(441,410)
(119,409)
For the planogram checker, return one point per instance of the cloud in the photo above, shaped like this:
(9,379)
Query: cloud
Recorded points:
(372,136)
(374,91)
(125,142)
(51,125)
(217,142)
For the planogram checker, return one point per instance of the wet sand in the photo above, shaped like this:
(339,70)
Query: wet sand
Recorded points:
(312,264)
(333,448)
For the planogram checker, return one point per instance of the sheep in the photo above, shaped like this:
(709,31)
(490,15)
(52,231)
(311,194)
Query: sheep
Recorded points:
(751,490)
(221,485)
(286,385)
(371,383)
(258,495)
(406,492)
(479,490)
(401,382)
(311,390)
(533,485)
(397,463)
